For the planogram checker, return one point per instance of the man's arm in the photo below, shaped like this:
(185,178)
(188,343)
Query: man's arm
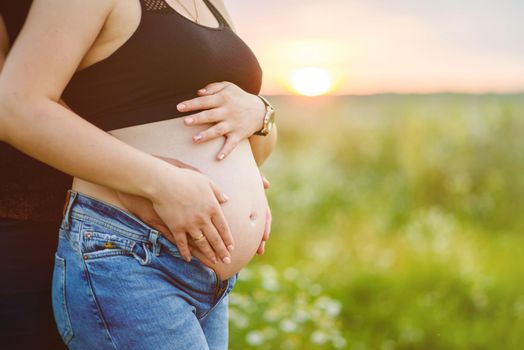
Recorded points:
(31,118)
(56,36)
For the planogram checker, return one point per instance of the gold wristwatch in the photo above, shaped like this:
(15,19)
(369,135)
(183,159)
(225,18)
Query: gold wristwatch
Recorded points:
(269,118)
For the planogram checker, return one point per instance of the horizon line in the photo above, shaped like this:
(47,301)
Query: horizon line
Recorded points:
(401,93)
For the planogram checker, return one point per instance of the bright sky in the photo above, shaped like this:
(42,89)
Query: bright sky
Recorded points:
(385,45)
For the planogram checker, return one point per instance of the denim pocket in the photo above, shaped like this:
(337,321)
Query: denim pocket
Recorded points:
(99,241)
(59,301)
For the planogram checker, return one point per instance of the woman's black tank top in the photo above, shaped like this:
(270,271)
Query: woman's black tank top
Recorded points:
(165,61)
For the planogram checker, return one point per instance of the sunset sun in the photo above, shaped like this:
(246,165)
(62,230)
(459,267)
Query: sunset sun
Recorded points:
(311,81)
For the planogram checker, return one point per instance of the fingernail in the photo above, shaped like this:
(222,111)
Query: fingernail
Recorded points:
(181,106)
(197,138)
(230,248)
(189,120)
(225,196)
(214,260)
(188,258)
(221,156)
(226,260)
(202,90)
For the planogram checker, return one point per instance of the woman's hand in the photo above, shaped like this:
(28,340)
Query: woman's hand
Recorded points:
(269,218)
(262,247)
(236,114)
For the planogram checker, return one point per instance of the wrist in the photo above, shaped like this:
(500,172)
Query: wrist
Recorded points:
(159,177)
(268,119)
(260,115)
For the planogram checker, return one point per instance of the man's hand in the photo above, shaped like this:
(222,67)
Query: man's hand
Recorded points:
(143,208)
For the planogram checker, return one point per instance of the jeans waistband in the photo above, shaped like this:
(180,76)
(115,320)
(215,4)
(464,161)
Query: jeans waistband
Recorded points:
(84,207)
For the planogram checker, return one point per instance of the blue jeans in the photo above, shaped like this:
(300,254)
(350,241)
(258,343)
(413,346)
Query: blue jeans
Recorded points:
(119,284)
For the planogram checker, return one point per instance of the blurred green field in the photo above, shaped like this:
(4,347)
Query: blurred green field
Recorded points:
(397,225)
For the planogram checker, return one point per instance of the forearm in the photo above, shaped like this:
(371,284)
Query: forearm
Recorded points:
(49,132)
(263,146)
(33,121)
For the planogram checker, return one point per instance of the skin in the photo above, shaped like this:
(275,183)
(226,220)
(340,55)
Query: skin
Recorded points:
(34,121)
(237,174)
(236,115)
(144,210)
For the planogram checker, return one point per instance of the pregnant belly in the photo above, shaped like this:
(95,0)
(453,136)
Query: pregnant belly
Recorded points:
(237,176)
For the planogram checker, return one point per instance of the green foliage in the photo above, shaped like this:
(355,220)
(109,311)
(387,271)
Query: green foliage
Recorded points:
(397,225)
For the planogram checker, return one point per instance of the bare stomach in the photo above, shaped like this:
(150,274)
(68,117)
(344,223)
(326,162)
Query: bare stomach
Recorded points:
(237,176)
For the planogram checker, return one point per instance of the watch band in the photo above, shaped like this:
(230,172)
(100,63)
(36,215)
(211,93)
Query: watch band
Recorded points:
(268,118)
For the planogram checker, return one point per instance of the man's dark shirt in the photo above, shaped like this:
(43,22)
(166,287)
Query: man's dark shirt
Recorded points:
(29,189)
(14,13)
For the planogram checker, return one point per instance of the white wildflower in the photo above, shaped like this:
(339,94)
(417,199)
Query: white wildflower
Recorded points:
(288,325)
(255,338)
(300,315)
(339,342)
(245,274)
(239,320)
(270,284)
(318,337)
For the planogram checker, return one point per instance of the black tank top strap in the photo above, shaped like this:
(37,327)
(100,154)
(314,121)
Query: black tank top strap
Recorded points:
(217,13)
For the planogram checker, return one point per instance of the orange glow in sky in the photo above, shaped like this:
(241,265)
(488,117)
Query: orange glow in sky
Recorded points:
(311,81)
(363,47)
(306,66)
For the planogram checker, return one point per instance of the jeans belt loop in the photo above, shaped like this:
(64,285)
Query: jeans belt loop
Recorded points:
(70,198)
(153,238)
(147,259)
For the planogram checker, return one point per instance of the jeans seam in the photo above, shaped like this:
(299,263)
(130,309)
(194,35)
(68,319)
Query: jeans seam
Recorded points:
(105,254)
(97,305)
(68,334)
(127,234)
(215,295)
(220,298)
(127,214)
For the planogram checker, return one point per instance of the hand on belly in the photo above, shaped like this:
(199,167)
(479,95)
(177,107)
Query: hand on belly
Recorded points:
(237,175)
(246,217)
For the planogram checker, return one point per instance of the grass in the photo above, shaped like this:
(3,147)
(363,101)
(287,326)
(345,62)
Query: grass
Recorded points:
(397,225)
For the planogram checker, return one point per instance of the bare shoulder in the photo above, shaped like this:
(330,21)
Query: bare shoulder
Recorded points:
(219,4)
(56,36)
